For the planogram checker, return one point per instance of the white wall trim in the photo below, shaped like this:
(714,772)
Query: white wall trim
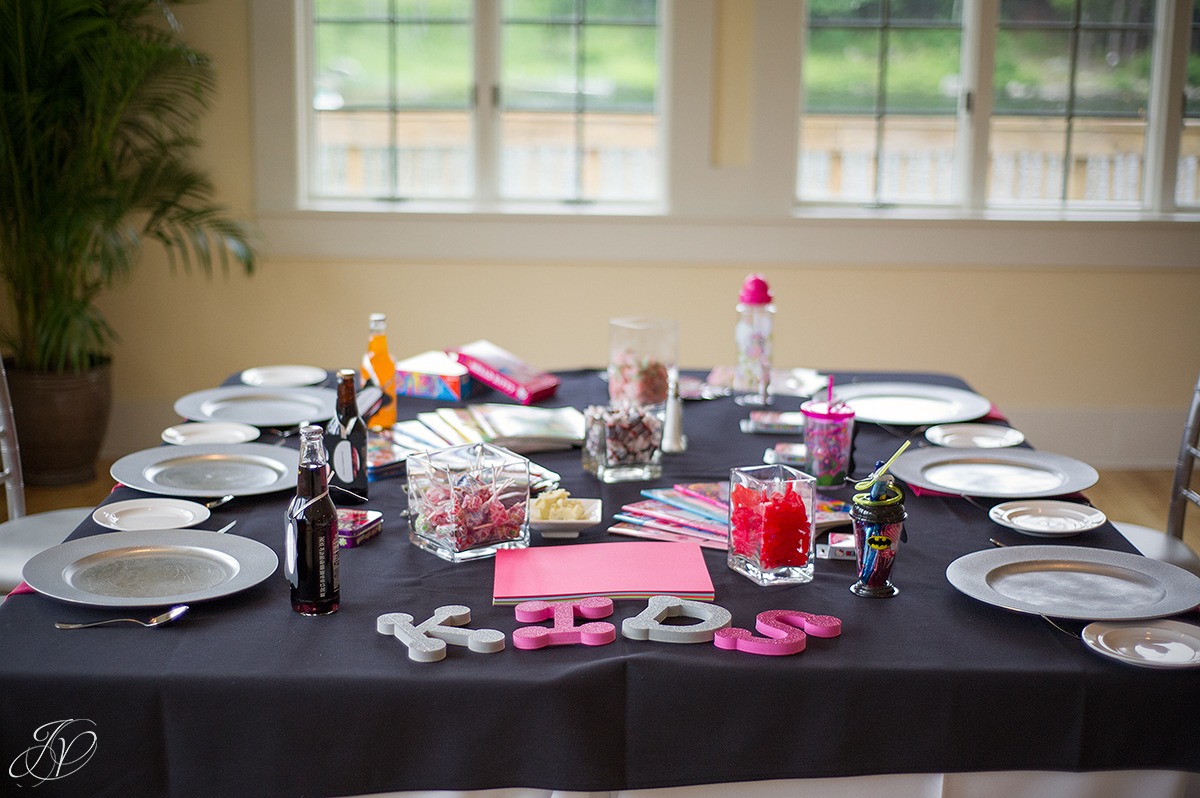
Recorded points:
(903,242)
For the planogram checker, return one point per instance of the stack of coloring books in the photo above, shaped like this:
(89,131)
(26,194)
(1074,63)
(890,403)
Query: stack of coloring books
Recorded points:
(698,512)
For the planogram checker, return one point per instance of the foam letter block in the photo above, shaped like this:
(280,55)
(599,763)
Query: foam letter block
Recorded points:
(427,640)
(648,624)
(564,632)
(786,633)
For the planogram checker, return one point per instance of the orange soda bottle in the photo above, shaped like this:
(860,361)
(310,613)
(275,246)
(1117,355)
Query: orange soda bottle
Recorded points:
(379,368)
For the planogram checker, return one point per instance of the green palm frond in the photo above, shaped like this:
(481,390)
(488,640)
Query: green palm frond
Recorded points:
(100,101)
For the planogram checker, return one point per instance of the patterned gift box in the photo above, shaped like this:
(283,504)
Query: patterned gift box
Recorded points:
(433,375)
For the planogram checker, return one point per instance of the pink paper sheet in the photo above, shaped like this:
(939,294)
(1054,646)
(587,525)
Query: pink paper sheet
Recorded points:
(631,570)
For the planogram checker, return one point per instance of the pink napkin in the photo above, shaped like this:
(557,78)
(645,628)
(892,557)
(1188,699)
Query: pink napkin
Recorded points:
(22,588)
(994,414)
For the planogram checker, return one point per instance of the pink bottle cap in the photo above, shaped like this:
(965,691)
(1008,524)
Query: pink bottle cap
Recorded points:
(755,291)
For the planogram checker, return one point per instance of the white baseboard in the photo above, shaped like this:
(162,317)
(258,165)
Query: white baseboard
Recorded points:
(1111,438)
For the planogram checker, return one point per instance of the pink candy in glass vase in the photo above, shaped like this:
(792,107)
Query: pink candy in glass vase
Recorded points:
(465,502)
(642,355)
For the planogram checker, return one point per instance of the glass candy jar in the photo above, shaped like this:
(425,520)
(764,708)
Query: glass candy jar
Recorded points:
(623,443)
(465,502)
(642,355)
(771,513)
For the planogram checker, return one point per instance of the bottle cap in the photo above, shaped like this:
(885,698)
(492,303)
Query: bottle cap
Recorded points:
(755,291)
(378,317)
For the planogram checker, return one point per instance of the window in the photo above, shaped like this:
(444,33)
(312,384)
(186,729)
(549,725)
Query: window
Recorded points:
(445,99)
(881,88)
(1030,104)
(830,131)
(1071,92)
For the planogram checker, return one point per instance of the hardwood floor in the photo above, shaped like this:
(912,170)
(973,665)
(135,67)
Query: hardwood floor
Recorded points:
(1138,497)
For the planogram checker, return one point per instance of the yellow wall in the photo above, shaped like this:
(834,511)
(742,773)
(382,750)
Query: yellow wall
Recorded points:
(1110,347)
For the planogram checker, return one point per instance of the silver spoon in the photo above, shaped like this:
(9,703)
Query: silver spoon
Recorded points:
(157,620)
(218,502)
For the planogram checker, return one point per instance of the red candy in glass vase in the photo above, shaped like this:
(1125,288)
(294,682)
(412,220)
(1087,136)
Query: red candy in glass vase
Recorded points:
(770,524)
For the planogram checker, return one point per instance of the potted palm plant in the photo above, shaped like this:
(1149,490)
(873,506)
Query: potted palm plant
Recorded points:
(100,101)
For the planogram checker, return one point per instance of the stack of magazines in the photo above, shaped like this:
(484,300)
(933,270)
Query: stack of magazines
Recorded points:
(699,512)
(519,428)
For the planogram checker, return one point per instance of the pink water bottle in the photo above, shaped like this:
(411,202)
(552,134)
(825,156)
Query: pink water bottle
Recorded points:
(756,317)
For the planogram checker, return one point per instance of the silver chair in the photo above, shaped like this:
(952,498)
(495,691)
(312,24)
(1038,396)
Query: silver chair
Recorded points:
(1169,546)
(23,536)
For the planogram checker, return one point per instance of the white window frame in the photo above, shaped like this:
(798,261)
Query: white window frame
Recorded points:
(717,209)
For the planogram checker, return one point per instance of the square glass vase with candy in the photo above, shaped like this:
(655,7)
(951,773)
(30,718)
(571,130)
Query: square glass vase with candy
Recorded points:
(465,502)
(771,513)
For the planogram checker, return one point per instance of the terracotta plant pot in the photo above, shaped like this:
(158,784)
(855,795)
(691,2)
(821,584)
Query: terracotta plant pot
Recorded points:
(61,421)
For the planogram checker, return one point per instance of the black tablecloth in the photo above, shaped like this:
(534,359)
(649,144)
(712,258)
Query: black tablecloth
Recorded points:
(245,697)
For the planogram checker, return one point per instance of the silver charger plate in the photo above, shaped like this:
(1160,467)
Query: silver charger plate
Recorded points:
(911,403)
(995,473)
(1075,583)
(241,469)
(259,407)
(149,568)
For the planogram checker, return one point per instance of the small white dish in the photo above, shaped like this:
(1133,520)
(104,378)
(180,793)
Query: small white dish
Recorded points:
(1150,644)
(1047,518)
(570,529)
(284,376)
(974,436)
(138,514)
(204,432)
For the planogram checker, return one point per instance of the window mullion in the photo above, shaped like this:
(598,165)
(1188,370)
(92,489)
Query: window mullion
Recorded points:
(486,116)
(980,28)
(1167,82)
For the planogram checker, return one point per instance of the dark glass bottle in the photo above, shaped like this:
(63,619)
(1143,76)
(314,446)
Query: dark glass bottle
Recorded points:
(311,544)
(346,444)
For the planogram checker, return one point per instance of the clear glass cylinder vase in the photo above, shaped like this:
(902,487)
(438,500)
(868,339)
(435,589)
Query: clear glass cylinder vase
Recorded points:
(642,359)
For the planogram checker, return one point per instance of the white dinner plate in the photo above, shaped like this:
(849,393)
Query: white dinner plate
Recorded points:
(1155,644)
(911,403)
(1047,518)
(994,473)
(197,432)
(150,514)
(147,568)
(569,529)
(1075,582)
(241,469)
(974,436)
(259,407)
(284,376)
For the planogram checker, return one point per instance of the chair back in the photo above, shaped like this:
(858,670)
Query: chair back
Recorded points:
(1181,491)
(10,453)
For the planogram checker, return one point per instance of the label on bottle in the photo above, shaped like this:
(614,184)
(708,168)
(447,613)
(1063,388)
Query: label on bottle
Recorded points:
(289,554)
(344,460)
